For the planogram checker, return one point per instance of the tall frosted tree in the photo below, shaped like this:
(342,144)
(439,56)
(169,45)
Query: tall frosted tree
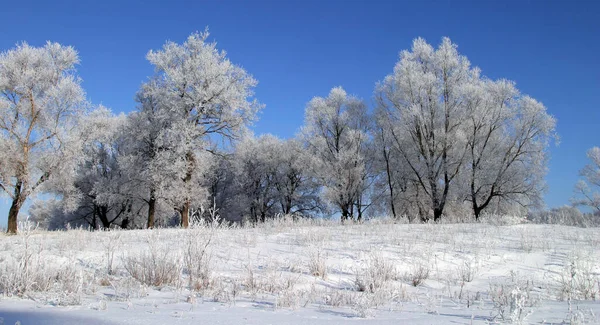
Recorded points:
(586,190)
(395,179)
(152,160)
(461,137)
(40,101)
(507,139)
(209,99)
(424,105)
(336,132)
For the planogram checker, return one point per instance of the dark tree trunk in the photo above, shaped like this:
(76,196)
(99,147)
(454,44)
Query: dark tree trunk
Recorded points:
(345,214)
(103,215)
(151,209)
(13,213)
(477,212)
(125,223)
(437,214)
(389,181)
(185,214)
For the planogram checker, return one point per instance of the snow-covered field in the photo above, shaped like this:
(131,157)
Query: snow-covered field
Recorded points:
(304,273)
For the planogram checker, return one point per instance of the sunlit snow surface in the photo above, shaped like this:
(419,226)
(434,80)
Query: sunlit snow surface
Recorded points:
(281,253)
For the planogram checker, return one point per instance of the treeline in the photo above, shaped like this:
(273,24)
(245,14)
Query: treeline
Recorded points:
(440,139)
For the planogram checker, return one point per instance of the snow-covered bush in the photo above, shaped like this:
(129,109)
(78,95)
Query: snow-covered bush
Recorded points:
(157,265)
(513,299)
(197,256)
(418,272)
(28,272)
(578,279)
(468,270)
(376,273)
(317,262)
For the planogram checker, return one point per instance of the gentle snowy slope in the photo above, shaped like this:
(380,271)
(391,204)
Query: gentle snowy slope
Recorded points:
(287,273)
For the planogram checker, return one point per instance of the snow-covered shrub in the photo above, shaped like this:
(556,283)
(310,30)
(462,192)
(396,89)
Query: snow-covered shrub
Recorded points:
(513,300)
(578,281)
(292,298)
(127,288)
(468,270)
(29,272)
(197,256)
(375,273)
(157,265)
(317,262)
(338,297)
(111,245)
(418,272)
(362,305)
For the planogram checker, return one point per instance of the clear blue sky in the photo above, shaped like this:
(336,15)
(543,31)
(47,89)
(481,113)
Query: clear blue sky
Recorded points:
(301,49)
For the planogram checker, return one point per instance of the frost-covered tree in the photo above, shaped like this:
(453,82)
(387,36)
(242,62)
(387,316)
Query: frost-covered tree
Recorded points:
(40,101)
(586,190)
(152,160)
(507,139)
(396,179)
(423,99)
(273,179)
(459,136)
(100,181)
(100,196)
(256,173)
(209,99)
(297,190)
(336,132)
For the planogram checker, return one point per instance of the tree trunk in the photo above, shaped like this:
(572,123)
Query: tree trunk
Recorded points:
(345,214)
(13,213)
(185,214)
(151,209)
(477,212)
(389,181)
(103,215)
(185,210)
(437,214)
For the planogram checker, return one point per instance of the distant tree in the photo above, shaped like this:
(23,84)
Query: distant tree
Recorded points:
(296,189)
(40,102)
(209,99)
(256,174)
(273,179)
(586,190)
(565,215)
(336,132)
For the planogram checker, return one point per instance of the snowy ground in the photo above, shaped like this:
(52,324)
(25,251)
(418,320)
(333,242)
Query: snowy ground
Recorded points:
(285,273)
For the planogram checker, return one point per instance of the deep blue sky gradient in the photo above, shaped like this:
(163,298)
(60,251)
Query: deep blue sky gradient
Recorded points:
(301,49)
